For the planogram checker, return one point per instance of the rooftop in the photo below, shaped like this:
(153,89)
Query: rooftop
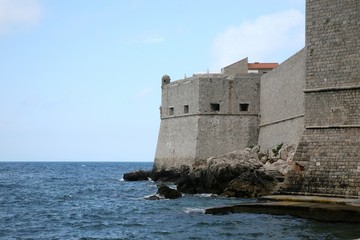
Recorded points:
(257,65)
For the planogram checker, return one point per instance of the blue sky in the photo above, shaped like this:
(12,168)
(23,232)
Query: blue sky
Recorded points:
(80,79)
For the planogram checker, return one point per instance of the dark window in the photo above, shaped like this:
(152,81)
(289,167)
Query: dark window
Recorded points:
(171,111)
(244,107)
(186,108)
(215,107)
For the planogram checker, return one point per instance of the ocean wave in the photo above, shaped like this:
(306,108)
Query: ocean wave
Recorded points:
(154,197)
(206,195)
(189,210)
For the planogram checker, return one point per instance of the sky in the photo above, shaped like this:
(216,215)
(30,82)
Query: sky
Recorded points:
(80,80)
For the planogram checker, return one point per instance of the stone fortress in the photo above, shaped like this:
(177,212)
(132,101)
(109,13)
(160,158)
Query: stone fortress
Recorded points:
(311,100)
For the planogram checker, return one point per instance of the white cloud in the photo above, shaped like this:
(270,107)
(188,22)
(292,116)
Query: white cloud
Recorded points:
(18,12)
(267,38)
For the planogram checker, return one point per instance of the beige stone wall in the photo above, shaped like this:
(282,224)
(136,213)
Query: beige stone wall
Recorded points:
(282,103)
(240,67)
(330,146)
(177,94)
(177,142)
(331,160)
(220,134)
(205,131)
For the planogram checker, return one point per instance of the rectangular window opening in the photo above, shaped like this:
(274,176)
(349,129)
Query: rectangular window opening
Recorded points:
(244,107)
(215,107)
(171,111)
(186,108)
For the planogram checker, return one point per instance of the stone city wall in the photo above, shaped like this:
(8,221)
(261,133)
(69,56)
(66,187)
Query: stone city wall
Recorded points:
(331,161)
(282,103)
(328,152)
(220,134)
(178,94)
(177,142)
(230,93)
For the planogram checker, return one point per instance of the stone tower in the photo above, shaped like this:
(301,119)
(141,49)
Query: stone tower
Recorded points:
(206,115)
(329,151)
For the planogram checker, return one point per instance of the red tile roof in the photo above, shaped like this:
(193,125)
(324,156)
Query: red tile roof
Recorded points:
(257,65)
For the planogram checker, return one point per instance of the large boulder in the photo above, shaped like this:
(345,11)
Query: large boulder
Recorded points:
(168,192)
(139,175)
(238,174)
(251,184)
(284,162)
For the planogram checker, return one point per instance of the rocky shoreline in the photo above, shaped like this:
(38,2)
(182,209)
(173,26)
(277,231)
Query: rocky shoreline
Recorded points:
(246,173)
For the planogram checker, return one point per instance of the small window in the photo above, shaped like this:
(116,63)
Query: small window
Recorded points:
(244,107)
(215,107)
(171,111)
(186,108)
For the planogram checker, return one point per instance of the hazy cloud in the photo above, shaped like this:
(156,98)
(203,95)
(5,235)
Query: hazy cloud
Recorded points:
(261,39)
(18,12)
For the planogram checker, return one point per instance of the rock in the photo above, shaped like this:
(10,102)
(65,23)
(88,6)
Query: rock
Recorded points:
(283,162)
(169,175)
(194,182)
(263,159)
(287,151)
(250,184)
(255,150)
(238,174)
(139,175)
(242,173)
(168,192)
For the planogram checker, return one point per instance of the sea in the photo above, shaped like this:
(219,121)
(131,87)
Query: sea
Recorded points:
(90,200)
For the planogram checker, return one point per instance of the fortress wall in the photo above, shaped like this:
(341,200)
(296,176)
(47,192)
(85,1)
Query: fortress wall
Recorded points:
(329,150)
(333,43)
(176,143)
(230,128)
(331,160)
(179,93)
(333,108)
(287,132)
(230,93)
(220,134)
(282,103)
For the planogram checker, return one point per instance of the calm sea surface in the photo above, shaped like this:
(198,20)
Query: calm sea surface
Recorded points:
(91,201)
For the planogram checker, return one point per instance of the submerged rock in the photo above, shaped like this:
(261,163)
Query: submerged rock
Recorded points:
(153,197)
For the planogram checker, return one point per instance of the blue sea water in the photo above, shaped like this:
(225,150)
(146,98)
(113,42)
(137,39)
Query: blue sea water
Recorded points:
(91,201)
